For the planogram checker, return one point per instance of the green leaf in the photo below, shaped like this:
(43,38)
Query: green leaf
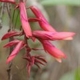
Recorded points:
(61,2)
(16,20)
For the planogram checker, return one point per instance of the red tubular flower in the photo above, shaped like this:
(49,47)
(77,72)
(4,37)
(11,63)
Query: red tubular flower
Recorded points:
(14,42)
(10,34)
(52,50)
(45,35)
(34,60)
(42,21)
(15,51)
(24,20)
(9,1)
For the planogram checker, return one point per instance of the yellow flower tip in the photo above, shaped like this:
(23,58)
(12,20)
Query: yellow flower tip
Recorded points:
(69,38)
(59,60)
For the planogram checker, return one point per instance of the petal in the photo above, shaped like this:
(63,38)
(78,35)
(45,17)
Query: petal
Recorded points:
(69,38)
(63,35)
(45,35)
(59,60)
(51,49)
(9,1)
(46,26)
(24,20)
(37,13)
(10,34)
(15,51)
(42,21)
(12,43)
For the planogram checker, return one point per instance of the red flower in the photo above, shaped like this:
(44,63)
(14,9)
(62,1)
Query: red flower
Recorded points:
(34,60)
(15,51)
(11,34)
(24,20)
(9,1)
(42,21)
(45,35)
(52,50)
(12,43)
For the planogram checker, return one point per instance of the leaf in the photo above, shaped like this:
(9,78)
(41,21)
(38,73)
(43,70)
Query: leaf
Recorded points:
(60,2)
(16,19)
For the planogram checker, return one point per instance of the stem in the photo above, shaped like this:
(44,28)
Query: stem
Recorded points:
(1,14)
(10,64)
(9,71)
(28,49)
(10,39)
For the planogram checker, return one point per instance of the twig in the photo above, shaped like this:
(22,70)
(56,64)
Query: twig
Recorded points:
(10,28)
(1,14)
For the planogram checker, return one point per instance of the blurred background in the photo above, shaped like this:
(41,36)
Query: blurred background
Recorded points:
(63,15)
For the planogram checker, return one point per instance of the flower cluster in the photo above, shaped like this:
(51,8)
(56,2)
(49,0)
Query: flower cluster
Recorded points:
(8,1)
(47,34)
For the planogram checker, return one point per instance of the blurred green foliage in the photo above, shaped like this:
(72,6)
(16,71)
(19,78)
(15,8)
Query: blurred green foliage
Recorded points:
(16,19)
(74,75)
(68,76)
(58,2)
(77,74)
